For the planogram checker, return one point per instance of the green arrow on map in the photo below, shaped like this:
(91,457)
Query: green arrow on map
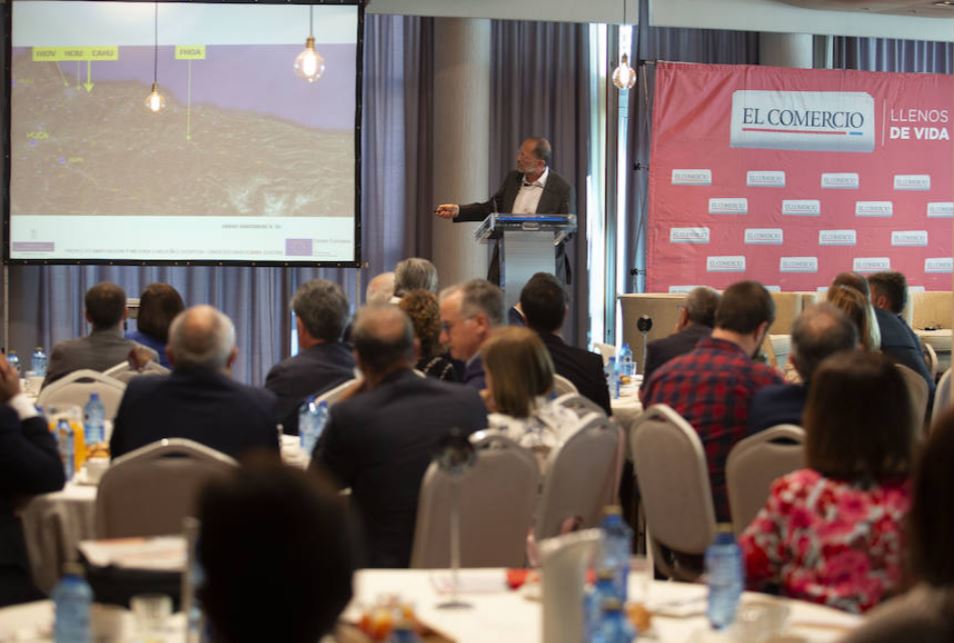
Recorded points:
(88,85)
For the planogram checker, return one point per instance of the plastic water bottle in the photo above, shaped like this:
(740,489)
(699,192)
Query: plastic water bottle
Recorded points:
(617,546)
(593,601)
(312,418)
(72,598)
(38,362)
(725,578)
(14,360)
(612,378)
(64,440)
(627,367)
(614,626)
(94,420)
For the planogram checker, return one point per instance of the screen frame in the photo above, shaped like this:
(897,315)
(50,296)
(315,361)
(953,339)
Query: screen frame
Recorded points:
(6,113)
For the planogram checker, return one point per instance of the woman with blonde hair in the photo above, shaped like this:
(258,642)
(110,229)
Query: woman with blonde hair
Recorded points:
(854,304)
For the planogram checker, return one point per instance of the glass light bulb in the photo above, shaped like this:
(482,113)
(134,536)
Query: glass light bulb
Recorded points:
(309,64)
(624,76)
(155,101)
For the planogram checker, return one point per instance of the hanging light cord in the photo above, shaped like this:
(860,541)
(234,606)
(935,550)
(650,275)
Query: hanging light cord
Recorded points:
(311,21)
(155,50)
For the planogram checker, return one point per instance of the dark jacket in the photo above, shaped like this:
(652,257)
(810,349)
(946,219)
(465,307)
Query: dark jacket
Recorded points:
(777,404)
(583,368)
(902,344)
(310,372)
(660,351)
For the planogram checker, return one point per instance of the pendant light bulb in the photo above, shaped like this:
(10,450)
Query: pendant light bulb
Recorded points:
(309,65)
(155,101)
(624,76)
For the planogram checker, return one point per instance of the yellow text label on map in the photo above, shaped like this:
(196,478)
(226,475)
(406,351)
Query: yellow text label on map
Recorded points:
(190,52)
(60,54)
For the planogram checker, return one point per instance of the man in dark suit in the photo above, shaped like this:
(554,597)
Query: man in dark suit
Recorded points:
(469,313)
(533,188)
(381,441)
(29,464)
(889,295)
(105,346)
(696,319)
(820,331)
(543,302)
(199,400)
(323,361)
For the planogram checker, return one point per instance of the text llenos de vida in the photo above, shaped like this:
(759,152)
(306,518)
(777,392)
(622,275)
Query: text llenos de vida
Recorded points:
(919,124)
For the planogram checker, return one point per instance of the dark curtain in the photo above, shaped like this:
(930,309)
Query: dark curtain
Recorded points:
(886,54)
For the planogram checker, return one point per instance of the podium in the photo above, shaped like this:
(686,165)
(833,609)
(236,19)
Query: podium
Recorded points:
(526,245)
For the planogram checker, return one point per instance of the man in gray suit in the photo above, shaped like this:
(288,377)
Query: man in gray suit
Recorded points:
(105,346)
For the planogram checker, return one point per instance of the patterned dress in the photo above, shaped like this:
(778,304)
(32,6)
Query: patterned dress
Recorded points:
(828,541)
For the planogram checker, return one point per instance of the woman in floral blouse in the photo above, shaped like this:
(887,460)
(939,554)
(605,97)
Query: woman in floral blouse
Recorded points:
(832,533)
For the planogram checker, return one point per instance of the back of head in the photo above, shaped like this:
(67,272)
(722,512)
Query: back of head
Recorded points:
(744,306)
(414,274)
(858,419)
(931,521)
(201,338)
(383,338)
(854,305)
(322,307)
(893,286)
(158,305)
(819,332)
(701,306)
(105,305)
(480,297)
(274,541)
(425,314)
(380,289)
(543,301)
(852,280)
(519,369)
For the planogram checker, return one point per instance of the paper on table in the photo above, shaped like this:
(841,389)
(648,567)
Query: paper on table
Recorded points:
(163,553)
(470,582)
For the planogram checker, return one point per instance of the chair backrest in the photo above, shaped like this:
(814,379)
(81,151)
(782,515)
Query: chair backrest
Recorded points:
(582,477)
(332,395)
(148,492)
(673,479)
(942,396)
(123,372)
(755,462)
(918,390)
(579,404)
(562,385)
(76,387)
(930,358)
(496,500)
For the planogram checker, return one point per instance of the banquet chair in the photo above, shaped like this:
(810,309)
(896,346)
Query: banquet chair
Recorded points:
(942,396)
(930,358)
(124,372)
(579,404)
(332,395)
(754,463)
(673,480)
(149,491)
(582,477)
(562,386)
(496,506)
(76,388)
(918,390)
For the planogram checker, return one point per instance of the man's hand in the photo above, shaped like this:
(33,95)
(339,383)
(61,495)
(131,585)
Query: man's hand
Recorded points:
(139,357)
(447,210)
(9,380)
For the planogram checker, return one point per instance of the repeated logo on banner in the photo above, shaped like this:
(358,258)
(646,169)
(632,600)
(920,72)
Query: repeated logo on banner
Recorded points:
(790,176)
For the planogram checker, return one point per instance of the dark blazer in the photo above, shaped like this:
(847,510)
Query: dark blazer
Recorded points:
(777,404)
(660,351)
(381,442)
(583,368)
(554,200)
(310,372)
(200,405)
(903,345)
(99,351)
(29,464)
(474,374)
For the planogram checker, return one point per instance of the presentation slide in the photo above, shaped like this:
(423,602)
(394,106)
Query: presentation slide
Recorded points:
(246,161)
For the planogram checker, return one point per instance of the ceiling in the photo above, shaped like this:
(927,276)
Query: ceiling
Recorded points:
(923,8)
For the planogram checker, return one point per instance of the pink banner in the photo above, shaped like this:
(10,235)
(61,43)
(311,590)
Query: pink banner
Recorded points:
(790,176)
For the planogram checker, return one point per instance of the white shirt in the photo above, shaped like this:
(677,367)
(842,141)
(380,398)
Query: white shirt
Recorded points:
(528,198)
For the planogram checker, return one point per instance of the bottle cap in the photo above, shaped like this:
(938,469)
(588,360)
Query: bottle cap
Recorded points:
(725,528)
(94,396)
(605,573)
(611,604)
(612,510)
(73,568)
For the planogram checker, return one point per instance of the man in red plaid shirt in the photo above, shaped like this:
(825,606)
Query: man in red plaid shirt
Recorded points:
(712,386)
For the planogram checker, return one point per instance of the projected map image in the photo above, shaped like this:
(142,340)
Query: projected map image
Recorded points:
(83,142)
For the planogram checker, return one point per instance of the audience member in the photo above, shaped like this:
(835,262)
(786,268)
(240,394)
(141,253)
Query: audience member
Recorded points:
(414,274)
(859,283)
(380,442)
(543,302)
(274,540)
(519,375)
(832,533)
(158,305)
(323,360)
(425,313)
(820,331)
(105,346)
(380,289)
(29,464)
(469,313)
(712,386)
(695,322)
(199,400)
(889,294)
(924,613)
(855,306)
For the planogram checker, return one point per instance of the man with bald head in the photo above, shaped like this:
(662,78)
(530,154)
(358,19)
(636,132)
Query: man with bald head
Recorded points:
(380,441)
(198,400)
